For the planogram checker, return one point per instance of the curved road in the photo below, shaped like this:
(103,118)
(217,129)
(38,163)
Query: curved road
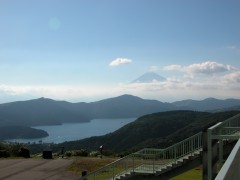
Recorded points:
(36,169)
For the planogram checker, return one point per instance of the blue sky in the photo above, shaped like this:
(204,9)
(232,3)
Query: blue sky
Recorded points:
(86,50)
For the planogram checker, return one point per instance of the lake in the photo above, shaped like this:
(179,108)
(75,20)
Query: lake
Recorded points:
(76,131)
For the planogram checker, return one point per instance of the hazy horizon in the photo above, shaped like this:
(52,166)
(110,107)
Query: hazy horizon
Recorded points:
(89,50)
(95,100)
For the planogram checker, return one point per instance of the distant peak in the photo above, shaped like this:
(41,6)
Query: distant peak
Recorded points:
(43,99)
(148,78)
(128,96)
(211,99)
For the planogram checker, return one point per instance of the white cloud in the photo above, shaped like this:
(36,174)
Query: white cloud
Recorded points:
(177,88)
(232,77)
(70,93)
(196,81)
(224,83)
(208,67)
(173,67)
(120,61)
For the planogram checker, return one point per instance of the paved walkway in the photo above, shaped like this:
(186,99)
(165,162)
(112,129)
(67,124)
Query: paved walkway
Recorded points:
(36,169)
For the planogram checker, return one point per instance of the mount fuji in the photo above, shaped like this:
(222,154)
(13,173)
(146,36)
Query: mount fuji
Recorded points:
(148,78)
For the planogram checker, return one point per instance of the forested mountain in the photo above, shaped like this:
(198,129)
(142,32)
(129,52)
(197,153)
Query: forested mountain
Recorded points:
(155,130)
(44,111)
(209,104)
(126,106)
(12,132)
(39,112)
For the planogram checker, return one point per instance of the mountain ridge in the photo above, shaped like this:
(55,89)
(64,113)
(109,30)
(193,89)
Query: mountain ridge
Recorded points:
(204,104)
(45,111)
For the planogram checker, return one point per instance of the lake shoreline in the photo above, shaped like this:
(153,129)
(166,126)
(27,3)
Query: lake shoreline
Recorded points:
(75,131)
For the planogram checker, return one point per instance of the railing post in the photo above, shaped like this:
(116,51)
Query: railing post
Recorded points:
(205,154)
(126,166)
(153,164)
(183,148)
(200,141)
(175,154)
(191,146)
(220,147)
(113,171)
(212,154)
(220,153)
(209,154)
(133,163)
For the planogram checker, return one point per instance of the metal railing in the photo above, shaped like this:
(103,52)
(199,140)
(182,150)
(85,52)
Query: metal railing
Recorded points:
(111,170)
(148,161)
(153,160)
(183,148)
(230,169)
(227,127)
(221,132)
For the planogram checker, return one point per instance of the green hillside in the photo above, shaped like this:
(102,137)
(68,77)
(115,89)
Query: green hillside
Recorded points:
(154,130)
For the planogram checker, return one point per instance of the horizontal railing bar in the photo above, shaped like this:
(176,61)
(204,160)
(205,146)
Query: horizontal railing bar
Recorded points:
(185,140)
(215,126)
(231,128)
(148,150)
(225,137)
(225,122)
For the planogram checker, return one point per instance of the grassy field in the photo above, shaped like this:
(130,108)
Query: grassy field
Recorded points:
(89,164)
(195,174)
